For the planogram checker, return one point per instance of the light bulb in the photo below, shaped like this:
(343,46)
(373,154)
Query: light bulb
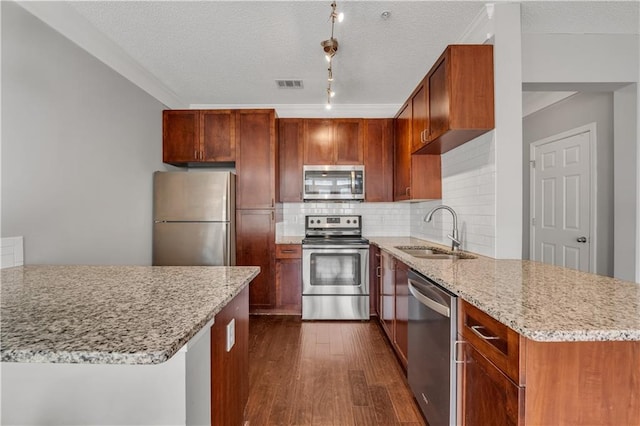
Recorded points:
(328,106)
(332,93)
(340,17)
(328,58)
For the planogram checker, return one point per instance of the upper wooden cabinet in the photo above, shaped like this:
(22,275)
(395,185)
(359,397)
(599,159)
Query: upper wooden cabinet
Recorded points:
(419,115)
(290,157)
(460,93)
(378,160)
(256,159)
(417,177)
(203,136)
(335,141)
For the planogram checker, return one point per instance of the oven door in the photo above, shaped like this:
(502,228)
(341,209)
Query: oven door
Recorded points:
(335,271)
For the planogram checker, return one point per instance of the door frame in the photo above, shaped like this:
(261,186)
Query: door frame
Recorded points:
(593,193)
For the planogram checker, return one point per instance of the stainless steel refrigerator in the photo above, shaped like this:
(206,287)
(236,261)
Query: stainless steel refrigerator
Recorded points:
(194,218)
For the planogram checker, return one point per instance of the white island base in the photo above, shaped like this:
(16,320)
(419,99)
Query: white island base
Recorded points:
(176,392)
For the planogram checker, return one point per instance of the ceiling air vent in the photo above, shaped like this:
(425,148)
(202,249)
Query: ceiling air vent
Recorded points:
(289,84)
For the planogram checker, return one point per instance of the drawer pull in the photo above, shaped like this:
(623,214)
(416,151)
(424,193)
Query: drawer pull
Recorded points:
(476,331)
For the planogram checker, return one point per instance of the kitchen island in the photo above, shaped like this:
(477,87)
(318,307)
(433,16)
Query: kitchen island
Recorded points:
(538,344)
(111,344)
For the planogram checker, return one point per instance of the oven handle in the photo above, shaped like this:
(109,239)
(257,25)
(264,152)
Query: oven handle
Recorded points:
(428,302)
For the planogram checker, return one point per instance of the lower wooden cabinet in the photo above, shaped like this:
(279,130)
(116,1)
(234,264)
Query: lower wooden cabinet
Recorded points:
(506,379)
(386,293)
(401,320)
(488,396)
(288,279)
(255,236)
(375,269)
(230,369)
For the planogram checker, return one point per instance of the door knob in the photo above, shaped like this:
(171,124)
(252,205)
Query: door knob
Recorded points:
(582,239)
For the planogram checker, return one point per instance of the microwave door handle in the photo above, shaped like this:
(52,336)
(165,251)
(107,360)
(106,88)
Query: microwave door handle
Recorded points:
(353,182)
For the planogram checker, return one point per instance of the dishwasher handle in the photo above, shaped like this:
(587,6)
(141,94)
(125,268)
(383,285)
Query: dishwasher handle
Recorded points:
(428,302)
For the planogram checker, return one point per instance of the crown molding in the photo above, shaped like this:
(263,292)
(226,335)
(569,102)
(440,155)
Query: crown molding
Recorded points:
(316,110)
(68,22)
(481,28)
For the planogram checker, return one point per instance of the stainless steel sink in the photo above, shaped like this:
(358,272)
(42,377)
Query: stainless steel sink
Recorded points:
(428,252)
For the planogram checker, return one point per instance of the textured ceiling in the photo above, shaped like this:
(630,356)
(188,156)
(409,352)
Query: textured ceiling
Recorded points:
(231,52)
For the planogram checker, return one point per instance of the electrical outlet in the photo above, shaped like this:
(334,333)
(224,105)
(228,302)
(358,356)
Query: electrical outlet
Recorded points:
(231,334)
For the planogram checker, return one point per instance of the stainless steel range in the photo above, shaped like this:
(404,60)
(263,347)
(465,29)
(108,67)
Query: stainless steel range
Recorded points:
(335,269)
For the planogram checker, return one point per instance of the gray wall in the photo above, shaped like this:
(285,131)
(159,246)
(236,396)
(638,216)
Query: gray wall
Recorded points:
(79,145)
(575,111)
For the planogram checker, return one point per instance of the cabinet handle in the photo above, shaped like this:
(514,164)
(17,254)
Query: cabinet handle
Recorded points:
(456,352)
(195,154)
(287,251)
(273,203)
(476,331)
(407,191)
(378,275)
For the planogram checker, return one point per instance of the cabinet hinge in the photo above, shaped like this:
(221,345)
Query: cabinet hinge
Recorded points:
(533,163)
(533,221)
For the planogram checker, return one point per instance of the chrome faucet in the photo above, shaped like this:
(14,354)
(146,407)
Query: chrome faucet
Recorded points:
(455,239)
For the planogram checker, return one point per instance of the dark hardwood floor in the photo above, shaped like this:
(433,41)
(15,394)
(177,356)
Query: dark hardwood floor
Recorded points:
(325,373)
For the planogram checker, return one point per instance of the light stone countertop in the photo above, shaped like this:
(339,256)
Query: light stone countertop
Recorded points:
(540,301)
(289,239)
(110,314)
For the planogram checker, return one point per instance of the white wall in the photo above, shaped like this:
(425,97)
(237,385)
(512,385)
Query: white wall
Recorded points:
(468,186)
(79,144)
(625,184)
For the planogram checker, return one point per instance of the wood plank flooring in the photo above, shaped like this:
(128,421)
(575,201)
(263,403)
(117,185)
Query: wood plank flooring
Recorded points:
(325,373)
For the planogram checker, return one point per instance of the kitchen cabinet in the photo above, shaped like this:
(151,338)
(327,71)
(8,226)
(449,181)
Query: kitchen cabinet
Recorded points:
(335,141)
(255,236)
(378,160)
(230,368)
(256,159)
(492,388)
(288,278)
(401,318)
(416,176)
(506,379)
(198,136)
(419,115)
(387,294)
(375,274)
(290,147)
(460,92)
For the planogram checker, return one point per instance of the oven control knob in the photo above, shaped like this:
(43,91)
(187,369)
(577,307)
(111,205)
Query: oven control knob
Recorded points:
(348,221)
(355,221)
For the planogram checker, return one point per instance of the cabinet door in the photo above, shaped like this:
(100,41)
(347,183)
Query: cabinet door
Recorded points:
(426,177)
(230,369)
(419,121)
(318,142)
(387,294)
(402,147)
(218,130)
(180,136)
(289,285)
(401,335)
(378,160)
(374,279)
(348,140)
(290,137)
(438,100)
(255,246)
(256,159)
(488,397)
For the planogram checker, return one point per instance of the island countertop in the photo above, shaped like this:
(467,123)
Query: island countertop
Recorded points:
(541,302)
(110,314)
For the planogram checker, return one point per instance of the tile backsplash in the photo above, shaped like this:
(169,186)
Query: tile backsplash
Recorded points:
(468,186)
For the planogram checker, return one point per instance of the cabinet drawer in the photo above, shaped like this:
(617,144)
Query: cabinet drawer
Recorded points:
(288,251)
(494,340)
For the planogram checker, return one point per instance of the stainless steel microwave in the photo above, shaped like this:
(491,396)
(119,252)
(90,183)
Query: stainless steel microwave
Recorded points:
(334,183)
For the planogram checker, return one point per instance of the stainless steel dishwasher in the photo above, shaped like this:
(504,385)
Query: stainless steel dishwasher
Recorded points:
(432,335)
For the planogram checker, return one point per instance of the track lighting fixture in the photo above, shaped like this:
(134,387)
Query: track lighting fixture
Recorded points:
(330,48)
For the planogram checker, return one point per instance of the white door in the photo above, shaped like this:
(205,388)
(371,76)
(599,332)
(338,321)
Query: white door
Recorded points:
(561,199)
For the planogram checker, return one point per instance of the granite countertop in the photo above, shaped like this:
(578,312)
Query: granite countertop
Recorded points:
(289,239)
(540,301)
(110,314)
